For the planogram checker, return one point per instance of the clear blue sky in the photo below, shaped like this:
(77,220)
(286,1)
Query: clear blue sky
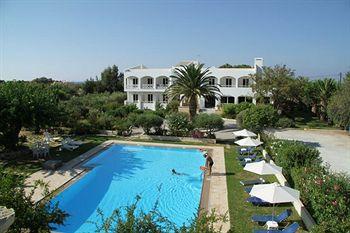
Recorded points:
(75,40)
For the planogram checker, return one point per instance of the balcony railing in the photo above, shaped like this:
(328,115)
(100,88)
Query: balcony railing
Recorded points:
(242,85)
(224,85)
(132,86)
(162,86)
(147,86)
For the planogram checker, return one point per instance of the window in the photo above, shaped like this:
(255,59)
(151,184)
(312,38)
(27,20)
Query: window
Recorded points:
(245,82)
(135,97)
(228,82)
(227,99)
(165,81)
(150,98)
(212,81)
(150,81)
(135,81)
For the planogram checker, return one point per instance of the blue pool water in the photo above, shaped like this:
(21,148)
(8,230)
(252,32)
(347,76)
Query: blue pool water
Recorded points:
(121,172)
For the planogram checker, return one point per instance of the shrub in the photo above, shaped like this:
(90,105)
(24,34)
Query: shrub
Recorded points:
(326,195)
(30,216)
(84,127)
(172,106)
(123,127)
(148,121)
(231,110)
(258,117)
(293,154)
(208,122)
(179,124)
(285,122)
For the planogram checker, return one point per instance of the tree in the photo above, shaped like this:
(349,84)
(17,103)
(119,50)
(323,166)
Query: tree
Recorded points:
(226,65)
(190,83)
(112,80)
(43,80)
(209,122)
(325,89)
(24,104)
(30,216)
(280,84)
(339,104)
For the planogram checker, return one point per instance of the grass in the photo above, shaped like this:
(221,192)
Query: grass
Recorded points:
(240,211)
(312,123)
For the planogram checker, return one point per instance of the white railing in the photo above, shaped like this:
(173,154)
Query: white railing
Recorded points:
(147,86)
(162,86)
(132,86)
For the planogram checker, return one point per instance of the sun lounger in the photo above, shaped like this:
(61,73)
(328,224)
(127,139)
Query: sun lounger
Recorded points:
(264,218)
(68,146)
(252,182)
(290,229)
(248,189)
(73,142)
(257,201)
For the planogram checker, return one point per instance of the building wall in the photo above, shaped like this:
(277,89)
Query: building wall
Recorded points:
(150,81)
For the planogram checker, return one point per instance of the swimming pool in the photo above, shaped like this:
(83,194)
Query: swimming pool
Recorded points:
(122,172)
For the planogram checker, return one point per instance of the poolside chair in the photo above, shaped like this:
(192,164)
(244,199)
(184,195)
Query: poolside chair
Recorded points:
(68,146)
(73,142)
(48,137)
(257,201)
(252,182)
(280,218)
(248,189)
(292,228)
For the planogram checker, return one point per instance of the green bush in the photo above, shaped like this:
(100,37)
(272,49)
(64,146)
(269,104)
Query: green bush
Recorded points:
(123,127)
(208,122)
(30,216)
(84,127)
(172,106)
(285,122)
(179,124)
(326,195)
(294,154)
(148,121)
(257,117)
(232,110)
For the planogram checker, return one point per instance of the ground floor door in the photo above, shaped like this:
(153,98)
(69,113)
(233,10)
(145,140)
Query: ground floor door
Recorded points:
(209,102)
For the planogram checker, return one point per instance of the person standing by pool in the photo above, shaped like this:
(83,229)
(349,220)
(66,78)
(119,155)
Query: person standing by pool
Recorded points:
(209,162)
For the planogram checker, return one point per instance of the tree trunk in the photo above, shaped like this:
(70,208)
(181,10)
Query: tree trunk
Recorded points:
(192,107)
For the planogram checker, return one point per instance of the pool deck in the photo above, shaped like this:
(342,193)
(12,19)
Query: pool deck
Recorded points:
(213,199)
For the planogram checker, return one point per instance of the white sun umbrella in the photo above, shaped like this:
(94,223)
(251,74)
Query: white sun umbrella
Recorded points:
(248,142)
(263,168)
(244,133)
(275,193)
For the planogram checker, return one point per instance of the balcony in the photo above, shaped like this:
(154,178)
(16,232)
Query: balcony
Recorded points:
(132,86)
(162,86)
(147,86)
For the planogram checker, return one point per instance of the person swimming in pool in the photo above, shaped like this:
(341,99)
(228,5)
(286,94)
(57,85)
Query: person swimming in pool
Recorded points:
(209,162)
(175,172)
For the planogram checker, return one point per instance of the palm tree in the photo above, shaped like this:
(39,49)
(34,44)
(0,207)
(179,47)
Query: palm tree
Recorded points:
(325,88)
(190,83)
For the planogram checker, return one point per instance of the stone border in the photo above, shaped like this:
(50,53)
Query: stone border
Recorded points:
(214,188)
(298,205)
(177,139)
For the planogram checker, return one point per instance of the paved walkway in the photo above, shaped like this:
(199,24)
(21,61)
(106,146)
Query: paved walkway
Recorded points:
(334,145)
(217,196)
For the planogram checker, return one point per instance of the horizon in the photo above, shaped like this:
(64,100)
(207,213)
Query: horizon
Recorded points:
(74,41)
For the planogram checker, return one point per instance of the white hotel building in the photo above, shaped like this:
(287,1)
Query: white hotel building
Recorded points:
(145,86)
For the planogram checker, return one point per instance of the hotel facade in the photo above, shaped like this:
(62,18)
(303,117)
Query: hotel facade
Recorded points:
(146,86)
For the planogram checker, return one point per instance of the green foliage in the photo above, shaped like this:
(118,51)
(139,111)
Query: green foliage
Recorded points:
(231,110)
(339,105)
(325,89)
(226,65)
(281,85)
(30,216)
(179,124)
(25,104)
(131,219)
(43,80)
(83,127)
(257,117)
(190,83)
(123,127)
(326,196)
(285,122)
(148,121)
(208,122)
(293,154)
(172,106)
(111,81)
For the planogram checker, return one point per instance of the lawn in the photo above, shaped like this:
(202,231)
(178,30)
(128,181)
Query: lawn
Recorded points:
(312,123)
(240,211)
